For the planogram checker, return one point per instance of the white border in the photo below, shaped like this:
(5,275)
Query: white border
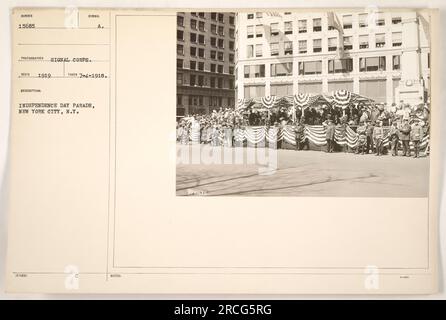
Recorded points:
(5,89)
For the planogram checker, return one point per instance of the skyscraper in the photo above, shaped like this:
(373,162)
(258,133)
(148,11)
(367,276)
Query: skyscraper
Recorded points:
(205,62)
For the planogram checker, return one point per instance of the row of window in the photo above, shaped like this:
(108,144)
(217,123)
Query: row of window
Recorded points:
(347,23)
(200,26)
(203,81)
(211,101)
(218,17)
(200,39)
(200,52)
(315,67)
(215,68)
(333,43)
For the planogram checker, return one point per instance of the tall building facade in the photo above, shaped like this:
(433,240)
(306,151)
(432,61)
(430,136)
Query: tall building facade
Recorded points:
(205,62)
(384,55)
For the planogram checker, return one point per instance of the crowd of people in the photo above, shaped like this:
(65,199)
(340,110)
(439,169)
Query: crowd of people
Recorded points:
(402,122)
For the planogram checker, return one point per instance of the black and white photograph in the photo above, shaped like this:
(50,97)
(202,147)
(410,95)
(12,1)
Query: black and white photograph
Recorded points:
(303,103)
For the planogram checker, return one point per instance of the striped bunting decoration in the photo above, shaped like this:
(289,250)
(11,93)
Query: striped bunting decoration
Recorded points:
(269,101)
(315,134)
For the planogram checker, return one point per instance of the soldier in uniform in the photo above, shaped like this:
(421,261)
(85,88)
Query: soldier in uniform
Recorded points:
(362,139)
(330,133)
(416,135)
(405,137)
(299,131)
(378,136)
(394,136)
(369,136)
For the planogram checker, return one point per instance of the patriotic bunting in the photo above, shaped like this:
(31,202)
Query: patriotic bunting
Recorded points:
(315,134)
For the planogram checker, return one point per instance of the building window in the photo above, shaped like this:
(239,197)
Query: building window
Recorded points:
(179,63)
(231,45)
(231,70)
(281,69)
(250,15)
(179,100)
(380,21)
(221,56)
(372,64)
(288,27)
(397,39)
(193,51)
(302,25)
(274,29)
(254,91)
(213,54)
(281,90)
(192,80)
(220,83)
(374,89)
(214,16)
(180,21)
(259,15)
(310,67)
(249,51)
(380,40)
(180,35)
(364,41)
(231,84)
(347,21)
(201,15)
(259,31)
(221,43)
(288,47)
(221,30)
(348,45)
(212,82)
(259,50)
(396,20)
(220,17)
(231,33)
(201,52)
(214,28)
(274,46)
(340,65)
(213,67)
(180,49)
(332,44)
(317,45)
(200,81)
(302,46)
(179,78)
(317,25)
(255,71)
(193,37)
(201,39)
(396,63)
(231,20)
(231,57)
(250,31)
(363,20)
(194,14)
(213,42)
(193,24)
(220,68)
(192,65)
(310,87)
(201,26)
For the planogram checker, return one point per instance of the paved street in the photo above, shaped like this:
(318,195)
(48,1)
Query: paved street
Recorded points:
(307,173)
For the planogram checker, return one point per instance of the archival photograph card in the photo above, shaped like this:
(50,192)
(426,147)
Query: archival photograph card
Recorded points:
(254,151)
